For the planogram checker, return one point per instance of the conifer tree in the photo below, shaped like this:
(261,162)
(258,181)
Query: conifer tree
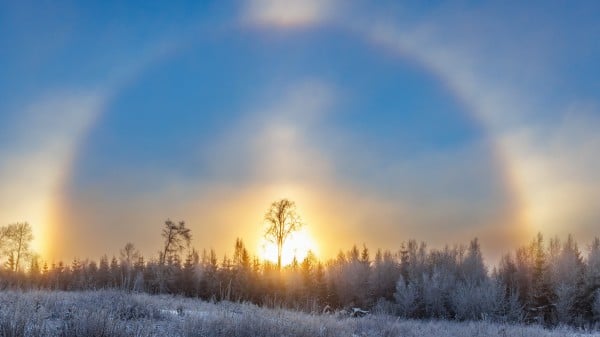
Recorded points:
(542,309)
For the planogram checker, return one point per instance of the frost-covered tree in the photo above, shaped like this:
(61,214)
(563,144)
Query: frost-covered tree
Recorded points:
(438,284)
(507,274)
(350,275)
(593,274)
(116,277)
(188,276)
(509,307)
(384,276)
(406,296)
(475,295)
(553,284)
(103,275)
(307,271)
(320,290)
(473,301)
(241,270)
(473,268)
(209,282)
(542,307)
(596,306)
(567,274)
(589,294)
(14,241)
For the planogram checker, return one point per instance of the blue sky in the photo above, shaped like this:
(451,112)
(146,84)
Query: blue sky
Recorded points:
(439,122)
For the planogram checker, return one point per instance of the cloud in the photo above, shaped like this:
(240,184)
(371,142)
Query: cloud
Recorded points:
(287,13)
(270,142)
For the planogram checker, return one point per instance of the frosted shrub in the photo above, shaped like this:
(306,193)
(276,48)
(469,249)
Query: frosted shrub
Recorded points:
(132,308)
(13,323)
(18,317)
(93,324)
(384,307)
(472,302)
(406,298)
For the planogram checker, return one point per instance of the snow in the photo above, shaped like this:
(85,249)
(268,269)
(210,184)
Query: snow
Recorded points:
(113,313)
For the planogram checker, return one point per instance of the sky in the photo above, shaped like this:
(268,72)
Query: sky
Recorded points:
(435,121)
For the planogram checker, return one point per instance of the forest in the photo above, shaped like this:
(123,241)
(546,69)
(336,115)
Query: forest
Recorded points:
(549,283)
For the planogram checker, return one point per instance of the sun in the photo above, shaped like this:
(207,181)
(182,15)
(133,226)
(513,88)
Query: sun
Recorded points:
(297,245)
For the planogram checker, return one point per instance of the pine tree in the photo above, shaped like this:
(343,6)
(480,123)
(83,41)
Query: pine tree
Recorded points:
(116,276)
(92,275)
(542,309)
(384,276)
(77,276)
(241,271)
(320,285)
(35,271)
(473,267)
(589,291)
(567,278)
(187,282)
(103,275)
(404,264)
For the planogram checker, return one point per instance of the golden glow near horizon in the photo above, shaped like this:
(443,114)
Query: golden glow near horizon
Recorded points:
(297,245)
(53,126)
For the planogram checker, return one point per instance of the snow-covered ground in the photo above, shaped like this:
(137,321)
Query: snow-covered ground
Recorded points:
(112,313)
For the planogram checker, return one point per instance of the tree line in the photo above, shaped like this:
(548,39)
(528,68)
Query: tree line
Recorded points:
(548,283)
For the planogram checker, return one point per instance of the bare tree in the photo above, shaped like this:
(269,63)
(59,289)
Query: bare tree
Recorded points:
(176,237)
(17,238)
(4,244)
(282,220)
(129,254)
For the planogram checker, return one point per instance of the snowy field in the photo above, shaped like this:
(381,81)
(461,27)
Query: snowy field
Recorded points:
(112,313)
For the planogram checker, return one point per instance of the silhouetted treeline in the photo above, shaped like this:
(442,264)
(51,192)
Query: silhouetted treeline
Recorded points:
(549,283)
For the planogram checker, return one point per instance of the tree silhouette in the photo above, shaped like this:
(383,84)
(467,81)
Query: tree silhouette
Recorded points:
(176,237)
(282,220)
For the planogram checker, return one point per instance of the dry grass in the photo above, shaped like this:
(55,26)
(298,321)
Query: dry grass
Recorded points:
(112,313)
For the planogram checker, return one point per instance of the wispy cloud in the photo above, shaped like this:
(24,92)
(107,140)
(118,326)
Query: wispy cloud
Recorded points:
(273,137)
(287,13)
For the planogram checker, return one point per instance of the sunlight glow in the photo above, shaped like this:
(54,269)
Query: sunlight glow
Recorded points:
(298,245)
